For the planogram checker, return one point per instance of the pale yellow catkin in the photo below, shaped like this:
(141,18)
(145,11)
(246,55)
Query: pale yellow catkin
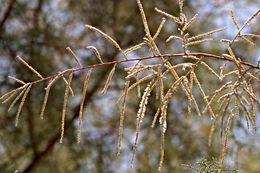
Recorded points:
(211,70)
(181,7)
(17,80)
(173,37)
(211,133)
(175,19)
(8,94)
(253,114)
(16,99)
(245,111)
(141,114)
(66,82)
(225,143)
(251,35)
(249,20)
(154,47)
(30,67)
(232,14)
(110,39)
(247,40)
(198,42)
(63,117)
(122,117)
(21,104)
(134,48)
(186,26)
(74,56)
(96,52)
(44,103)
(203,95)
(83,97)
(109,78)
(205,34)
(157,33)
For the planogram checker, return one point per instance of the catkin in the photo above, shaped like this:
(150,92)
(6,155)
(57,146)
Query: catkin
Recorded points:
(186,26)
(21,104)
(122,117)
(159,29)
(44,103)
(211,70)
(110,39)
(173,37)
(109,78)
(175,19)
(17,80)
(74,56)
(141,113)
(203,94)
(233,18)
(30,67)
(66,94)
(96,52)
(84,92)
(206,34)
(224,148)
(198,42)
(16,99)
(253,115)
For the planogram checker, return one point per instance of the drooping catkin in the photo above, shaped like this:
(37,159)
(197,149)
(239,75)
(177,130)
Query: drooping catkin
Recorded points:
(222,88)
(191,88)
(140,114)
(83,97)
(66,95)
(44,103)
(211,70)
(212,130)
(203,95)
(97,54)
(66,82)
(186,89)
(225,142)
(205,34)
(245,111)
(21,104)
(110,39)
(175,19)
(247,40)
(16,99)
(74,56)
(30,67)
(10,93)
(193,43)
(253,115)
(138,86)
(17,80)
(122,117)
(109,78)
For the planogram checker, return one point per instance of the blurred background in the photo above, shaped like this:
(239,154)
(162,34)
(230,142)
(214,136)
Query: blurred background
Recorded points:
(40,30)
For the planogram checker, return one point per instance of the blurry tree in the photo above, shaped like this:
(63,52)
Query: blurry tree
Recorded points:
(40,31)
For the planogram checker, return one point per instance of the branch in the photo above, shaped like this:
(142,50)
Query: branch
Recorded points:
(167,56)
(7,12)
